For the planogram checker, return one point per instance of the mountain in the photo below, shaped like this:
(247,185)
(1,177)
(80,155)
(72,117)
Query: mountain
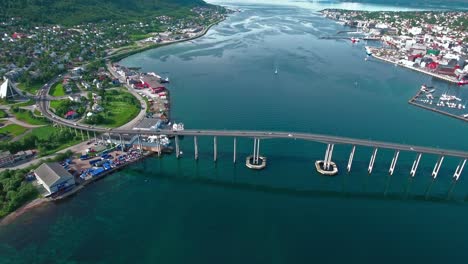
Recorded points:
(70,12)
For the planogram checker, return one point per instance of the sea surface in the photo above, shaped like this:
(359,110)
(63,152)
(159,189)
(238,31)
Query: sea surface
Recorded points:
(168,210)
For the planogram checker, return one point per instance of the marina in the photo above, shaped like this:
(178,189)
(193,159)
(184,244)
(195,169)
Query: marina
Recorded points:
(424,99)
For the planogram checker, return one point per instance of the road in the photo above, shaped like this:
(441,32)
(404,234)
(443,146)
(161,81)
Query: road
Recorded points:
(261,134)
(142,113)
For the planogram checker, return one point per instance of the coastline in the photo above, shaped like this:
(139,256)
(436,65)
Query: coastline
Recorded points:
(42,201)
(23,209)
(441,77)
(118,57)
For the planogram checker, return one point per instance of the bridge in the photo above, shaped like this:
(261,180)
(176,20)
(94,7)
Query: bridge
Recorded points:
(255,161)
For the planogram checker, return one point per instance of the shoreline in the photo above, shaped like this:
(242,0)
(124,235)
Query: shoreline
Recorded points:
(114,57)
(119,57)
(41,201)
(435,75)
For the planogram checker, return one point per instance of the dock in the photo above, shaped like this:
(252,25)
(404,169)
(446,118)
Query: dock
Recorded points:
(413,101)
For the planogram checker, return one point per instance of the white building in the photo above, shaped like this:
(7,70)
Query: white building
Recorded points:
(54,177)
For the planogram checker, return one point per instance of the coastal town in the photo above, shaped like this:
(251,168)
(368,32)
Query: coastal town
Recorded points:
(56,75)
(432,43)
(74,68)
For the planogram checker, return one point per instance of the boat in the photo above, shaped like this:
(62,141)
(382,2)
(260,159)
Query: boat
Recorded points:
(165,80)
(368,51)
(354,40)
(276,70)
(426,89)
(446,97)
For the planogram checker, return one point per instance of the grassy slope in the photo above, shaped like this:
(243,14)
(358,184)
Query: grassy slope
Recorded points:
(45,132)
(27,117)
(3,114)
(121,112)
(57,90)
(13,129)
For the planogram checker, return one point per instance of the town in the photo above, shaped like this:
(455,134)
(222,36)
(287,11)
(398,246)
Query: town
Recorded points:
(74,68)
(432,43)
(436,43)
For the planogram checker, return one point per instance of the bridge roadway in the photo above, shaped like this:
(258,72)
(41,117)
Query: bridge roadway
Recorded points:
(43,105)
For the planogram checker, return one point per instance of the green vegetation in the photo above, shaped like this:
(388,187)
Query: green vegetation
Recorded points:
(47,140)
(119,108)
(61,107)
(57,90)
(31,88)
(27,103)
(15,191)
(13,130)
(136,37)
(72,12)
(3,114)
(28,117)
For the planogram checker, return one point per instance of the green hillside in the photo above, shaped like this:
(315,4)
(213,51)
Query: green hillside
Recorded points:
(70,12)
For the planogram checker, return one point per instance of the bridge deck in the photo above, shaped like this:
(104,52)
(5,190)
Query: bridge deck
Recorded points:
(43,106)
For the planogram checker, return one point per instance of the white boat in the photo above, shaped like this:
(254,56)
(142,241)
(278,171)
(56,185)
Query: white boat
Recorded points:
(276,70)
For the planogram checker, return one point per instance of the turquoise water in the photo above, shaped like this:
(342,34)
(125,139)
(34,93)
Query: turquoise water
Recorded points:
(178,211)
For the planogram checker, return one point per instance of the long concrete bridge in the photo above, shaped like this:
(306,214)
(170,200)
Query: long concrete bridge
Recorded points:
(254,160)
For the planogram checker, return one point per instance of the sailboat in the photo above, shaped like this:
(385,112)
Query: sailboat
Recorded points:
(276,70)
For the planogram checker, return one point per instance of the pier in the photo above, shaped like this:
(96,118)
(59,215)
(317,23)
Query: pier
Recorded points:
(414,102)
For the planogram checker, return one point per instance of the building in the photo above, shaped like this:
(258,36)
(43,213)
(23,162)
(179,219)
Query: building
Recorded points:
(54,177)
(6,158)
(7,90)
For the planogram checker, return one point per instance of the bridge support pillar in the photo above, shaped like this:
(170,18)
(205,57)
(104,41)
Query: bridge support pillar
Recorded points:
(351,156)
(255,161)
(328,156)
(415,165)
(82,135)
(459,169)
(87,133)
(95,138)
(327,166)
(215,149)
(437,166)
(394,162)
(121,143)
(177,146)
(372,160)
(195,143)
(235,143)
(139,143)
(76,132)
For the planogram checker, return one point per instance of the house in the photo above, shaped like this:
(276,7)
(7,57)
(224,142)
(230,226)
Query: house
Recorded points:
(71,114)
(54,177)
(6,158)
(97,108)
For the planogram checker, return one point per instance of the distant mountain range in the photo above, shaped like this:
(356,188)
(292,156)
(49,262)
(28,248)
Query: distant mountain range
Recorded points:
(71,12)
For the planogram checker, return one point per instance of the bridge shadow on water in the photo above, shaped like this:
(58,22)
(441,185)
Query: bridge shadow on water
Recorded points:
(384,195)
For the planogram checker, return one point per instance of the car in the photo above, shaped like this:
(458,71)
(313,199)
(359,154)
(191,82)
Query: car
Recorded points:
(290,135)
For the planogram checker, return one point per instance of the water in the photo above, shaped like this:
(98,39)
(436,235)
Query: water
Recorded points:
(177,211)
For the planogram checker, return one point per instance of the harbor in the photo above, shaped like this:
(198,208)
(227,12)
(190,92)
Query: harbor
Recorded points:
(425,99)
